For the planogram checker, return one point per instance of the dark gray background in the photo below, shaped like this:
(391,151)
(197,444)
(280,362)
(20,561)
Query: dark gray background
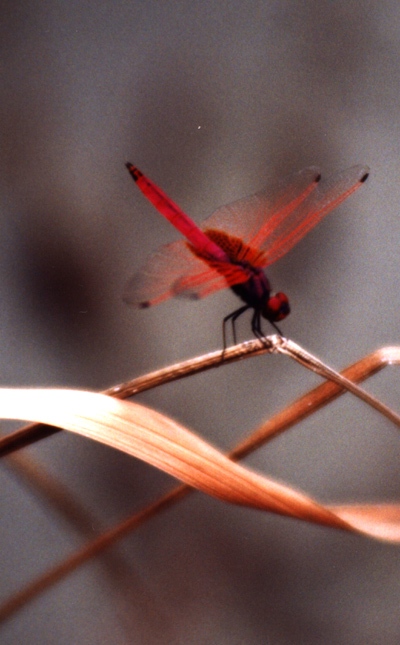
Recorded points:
(211,100)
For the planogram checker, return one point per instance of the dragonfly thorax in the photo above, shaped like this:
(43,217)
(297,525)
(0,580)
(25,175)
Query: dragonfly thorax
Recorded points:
(256,293)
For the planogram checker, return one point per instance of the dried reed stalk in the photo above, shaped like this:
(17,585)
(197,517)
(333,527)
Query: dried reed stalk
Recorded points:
(239,485)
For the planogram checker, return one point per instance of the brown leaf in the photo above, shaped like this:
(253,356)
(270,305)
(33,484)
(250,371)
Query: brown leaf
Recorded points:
(161,442)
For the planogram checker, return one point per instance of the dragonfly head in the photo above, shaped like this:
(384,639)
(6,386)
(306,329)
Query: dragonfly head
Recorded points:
(276,308)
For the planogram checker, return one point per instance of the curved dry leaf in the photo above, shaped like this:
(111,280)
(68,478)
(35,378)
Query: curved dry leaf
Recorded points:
(381,521)
(161,442)
(336,384)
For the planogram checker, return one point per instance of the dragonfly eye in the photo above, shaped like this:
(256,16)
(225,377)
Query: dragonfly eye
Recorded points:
(277,307)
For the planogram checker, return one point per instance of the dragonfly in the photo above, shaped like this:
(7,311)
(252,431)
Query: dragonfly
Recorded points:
(236,243)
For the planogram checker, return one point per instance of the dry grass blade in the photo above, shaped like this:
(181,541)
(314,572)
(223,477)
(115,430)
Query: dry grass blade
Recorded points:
(89,551)
(271,344)
(289,348)
(148,435)
(37,431)
(381,521)
(378,520)
(316,399)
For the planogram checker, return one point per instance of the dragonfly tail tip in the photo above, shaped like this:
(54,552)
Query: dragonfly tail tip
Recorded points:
(135,172)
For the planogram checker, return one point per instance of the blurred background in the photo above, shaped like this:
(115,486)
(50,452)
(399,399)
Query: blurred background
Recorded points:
(212,100)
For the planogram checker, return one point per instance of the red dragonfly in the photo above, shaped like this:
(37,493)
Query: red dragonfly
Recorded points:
(236,242)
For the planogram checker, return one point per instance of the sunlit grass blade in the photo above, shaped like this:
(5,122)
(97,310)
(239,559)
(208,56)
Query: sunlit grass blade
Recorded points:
(153,437)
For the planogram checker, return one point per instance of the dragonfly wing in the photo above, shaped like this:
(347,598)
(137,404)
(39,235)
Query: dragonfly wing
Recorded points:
(174,270)
(244,218)
(198,286)
(288,231)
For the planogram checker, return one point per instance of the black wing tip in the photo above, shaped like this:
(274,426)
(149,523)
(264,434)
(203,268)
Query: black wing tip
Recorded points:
(364,177)
(139,305)
(313,174)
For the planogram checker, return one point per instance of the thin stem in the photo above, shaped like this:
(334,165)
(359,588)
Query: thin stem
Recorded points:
(297,411)
(36,431)
(271,344)
(289,348)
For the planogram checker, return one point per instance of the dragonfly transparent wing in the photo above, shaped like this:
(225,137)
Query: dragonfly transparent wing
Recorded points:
(274,220)
(174,270)
(245,218)
(277,240)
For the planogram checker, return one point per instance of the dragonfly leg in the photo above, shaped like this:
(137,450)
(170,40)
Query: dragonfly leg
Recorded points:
(276,327)
(256,326)
(232,317)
